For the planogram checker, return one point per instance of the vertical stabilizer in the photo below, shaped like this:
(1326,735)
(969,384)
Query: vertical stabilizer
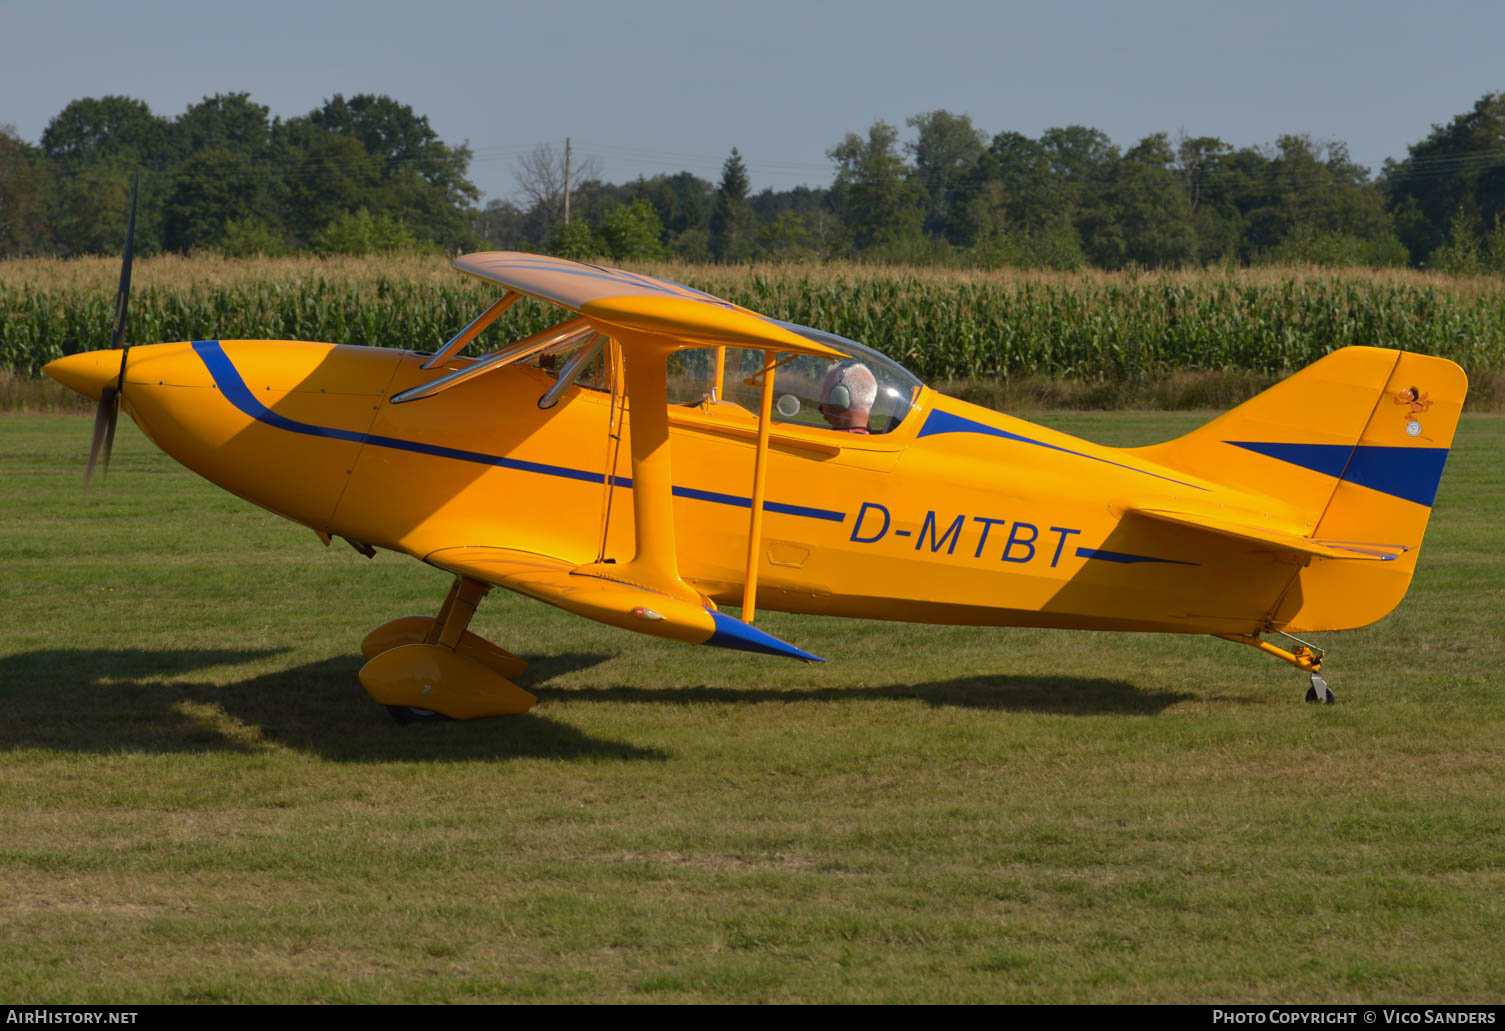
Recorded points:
(1355,444)
(1385,492)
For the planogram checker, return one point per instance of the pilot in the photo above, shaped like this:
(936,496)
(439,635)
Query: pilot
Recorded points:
(847,394)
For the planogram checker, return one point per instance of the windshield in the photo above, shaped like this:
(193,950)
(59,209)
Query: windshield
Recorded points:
(867,393)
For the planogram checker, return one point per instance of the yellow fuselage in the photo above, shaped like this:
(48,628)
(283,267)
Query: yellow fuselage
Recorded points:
(959,515)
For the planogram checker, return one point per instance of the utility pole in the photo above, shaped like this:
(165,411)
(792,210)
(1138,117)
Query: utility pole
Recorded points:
(566,180)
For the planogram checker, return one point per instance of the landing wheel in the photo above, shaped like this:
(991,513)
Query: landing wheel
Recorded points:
(403,715)
(1319,692)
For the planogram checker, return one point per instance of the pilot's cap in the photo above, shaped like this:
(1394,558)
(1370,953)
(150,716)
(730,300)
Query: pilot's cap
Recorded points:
(847,385)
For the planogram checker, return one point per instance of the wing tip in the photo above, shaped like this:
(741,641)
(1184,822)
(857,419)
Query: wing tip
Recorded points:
(733,633)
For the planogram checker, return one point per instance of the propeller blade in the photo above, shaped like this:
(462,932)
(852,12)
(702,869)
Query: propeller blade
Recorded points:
(108,411)
(123,294)
(104,434)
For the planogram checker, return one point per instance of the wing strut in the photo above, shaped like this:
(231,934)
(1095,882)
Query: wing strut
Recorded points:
(718,387)
(760,474)
(655,563)
(477,326)
(555,336)
(613,443)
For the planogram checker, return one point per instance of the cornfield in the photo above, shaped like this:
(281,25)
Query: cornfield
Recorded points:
(942,325)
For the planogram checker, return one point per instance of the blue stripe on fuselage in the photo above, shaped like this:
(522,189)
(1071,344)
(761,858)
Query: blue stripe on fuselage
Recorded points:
(939,421)
(228,379)
(1128,558)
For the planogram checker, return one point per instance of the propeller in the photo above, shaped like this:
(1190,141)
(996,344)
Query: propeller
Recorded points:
(108,409)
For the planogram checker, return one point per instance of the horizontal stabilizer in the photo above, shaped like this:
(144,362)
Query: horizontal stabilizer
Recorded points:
(1277,540)
(584,591)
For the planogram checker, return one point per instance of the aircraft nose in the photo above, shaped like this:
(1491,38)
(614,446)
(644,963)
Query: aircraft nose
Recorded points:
(87,373)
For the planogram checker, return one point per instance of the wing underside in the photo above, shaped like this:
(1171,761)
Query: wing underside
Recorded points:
(590,592)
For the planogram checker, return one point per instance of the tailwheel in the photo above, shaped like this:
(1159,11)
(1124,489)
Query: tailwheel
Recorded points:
(1319,692)
(1304,656)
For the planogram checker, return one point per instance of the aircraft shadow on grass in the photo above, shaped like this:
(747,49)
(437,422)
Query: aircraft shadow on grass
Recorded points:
(1059,695)
(110,701)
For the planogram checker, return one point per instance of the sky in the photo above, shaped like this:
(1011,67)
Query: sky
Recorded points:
(665,85)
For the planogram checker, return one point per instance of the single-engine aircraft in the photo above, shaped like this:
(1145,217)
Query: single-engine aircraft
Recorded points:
(659,453)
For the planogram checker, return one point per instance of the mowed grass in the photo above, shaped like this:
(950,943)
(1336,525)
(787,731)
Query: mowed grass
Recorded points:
(198,803)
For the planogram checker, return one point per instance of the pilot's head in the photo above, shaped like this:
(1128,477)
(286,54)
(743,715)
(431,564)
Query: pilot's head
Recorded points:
(847,394)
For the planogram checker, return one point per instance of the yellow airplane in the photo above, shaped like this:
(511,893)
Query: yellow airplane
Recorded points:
(659,453)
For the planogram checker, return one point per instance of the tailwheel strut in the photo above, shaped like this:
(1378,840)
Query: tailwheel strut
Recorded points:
(1304,656)
(428,668)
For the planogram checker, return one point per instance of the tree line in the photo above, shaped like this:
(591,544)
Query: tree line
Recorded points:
(352,175)
(369,174)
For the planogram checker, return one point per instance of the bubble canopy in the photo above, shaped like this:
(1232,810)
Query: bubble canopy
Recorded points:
(805,379)
(879,391)
(904,380)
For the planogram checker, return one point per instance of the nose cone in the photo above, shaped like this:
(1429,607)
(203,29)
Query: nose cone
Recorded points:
(87,373)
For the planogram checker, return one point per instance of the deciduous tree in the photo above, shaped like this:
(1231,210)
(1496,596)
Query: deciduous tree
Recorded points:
(1459,167)
(1138,211)
(23,196)
(540,175)
(945,150)
(632,232)
(873,192)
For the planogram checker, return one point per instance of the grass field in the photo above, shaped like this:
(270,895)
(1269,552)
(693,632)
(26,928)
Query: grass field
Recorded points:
(198,803)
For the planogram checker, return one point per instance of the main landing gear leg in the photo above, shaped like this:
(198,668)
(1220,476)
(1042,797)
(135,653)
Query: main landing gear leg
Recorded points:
(1304,656)
(426,668)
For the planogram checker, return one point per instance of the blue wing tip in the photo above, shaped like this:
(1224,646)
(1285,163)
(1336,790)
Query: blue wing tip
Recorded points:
(733,633)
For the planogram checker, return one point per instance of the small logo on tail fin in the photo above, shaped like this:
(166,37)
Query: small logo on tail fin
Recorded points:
(1416,402)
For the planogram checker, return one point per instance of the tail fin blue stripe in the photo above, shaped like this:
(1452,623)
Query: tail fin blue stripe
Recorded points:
(1411,473)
